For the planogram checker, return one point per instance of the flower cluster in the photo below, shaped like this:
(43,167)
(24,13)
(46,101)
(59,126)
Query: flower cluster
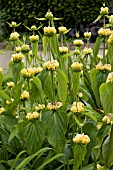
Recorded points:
(76,52)
(39,107)
(87,35)
(14,36)
(77,107)
(25,48)
(104,10)
(111,19)
(18,49)
(49,31)
(54,106)
(2,110)
(34,38)
(24,95)
(99,167)
(107,119)
(51,65)
(104,32)
(33,28)
(76,66)
(10,84)
(87,50)
(32,115)
(78,42)
(28,72)
(110,78)
(9,102)
(81,138)
(63,50)
(110,39)
(62,30)
(13,24)
(0,70)
(105,67)
(99,56)
(16,57)
(49,15)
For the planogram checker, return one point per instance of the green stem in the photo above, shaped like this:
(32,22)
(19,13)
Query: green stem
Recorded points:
(29,93)
(52,76)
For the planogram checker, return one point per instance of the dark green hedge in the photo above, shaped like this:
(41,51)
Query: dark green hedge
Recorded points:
(73,12)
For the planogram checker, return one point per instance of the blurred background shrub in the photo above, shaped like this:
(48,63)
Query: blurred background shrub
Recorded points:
(76,14)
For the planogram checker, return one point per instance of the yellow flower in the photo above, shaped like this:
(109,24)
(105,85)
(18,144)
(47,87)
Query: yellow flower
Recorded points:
(33,28)
(49,15)
(107,119)
(9,102)
(104,10)
(39,107)
(51,65)
(14,36)
(1,70)
(32,115)
(49,31)
(78,42)
(34,38)
(81,138)
(87,35)
(63,49)
(25,48)
(105,67)
(16,57)
(24,95)
(76,66)
(87,50)
(76,52)
(104,32)
(111,19)
(10,84)
(110,39)
(14,24)
(62,30)
(30,53)
(77,107)
(110,78)
(18,49)
(2,110)
(54,106)
(99,56)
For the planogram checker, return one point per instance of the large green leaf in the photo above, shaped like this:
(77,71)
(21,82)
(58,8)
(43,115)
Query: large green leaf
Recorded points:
(56,123)
(34,133)
(97,46)
(4,95)
(97,78)
(48,88)
(48,161)
(45,41)
(75,83)
(107,150)
(39,87)
(79,152)
(62,86)
(106,96)
(54,46)
(110,55)
(28,159)
(1,79)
